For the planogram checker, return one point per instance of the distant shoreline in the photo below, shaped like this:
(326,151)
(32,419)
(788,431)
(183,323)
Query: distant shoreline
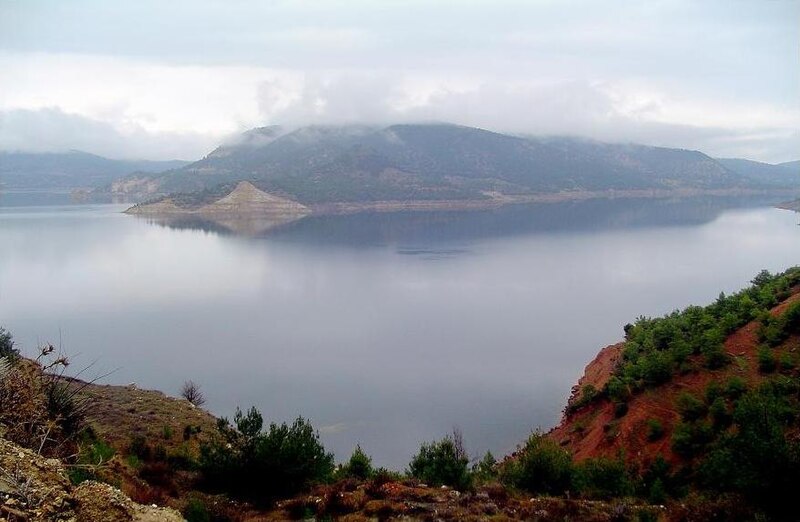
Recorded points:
(494,200)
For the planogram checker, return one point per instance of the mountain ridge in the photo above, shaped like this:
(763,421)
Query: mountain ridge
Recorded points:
(73,169)
(408,162)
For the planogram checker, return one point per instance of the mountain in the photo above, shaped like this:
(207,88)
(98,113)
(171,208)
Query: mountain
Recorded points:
(69,170)
(766,174)
(319,165)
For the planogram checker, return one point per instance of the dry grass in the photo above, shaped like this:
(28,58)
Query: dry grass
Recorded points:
(119,413)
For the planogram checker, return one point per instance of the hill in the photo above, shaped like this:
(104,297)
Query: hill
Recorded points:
(765,174)
(709,392)
(325,166)
(69,170)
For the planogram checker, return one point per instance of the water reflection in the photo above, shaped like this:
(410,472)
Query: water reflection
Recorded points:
(385,330)
(371,229)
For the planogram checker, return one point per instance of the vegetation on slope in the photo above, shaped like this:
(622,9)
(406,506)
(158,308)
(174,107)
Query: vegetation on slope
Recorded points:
(718,389)
(319,164)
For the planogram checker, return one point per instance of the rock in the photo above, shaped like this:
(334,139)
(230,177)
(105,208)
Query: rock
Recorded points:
(97,502)
(36,489)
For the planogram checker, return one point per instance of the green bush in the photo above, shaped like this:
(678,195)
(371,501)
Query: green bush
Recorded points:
(691,438)
(690,407)
(196,511)
(656,482)
(758,459)
(603,478)
(715,356)
(93,452)
(7,344)
(654,429)
(787,362)
(359,466)
(735,387)
(541,466)
(588,394)
(617,390)
(140,448)
(766,360)
(262,466)
(442,462)
(485,470)
(656,349)
(719,413)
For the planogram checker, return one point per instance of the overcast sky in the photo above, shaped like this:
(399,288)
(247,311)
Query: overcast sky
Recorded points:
(170,79)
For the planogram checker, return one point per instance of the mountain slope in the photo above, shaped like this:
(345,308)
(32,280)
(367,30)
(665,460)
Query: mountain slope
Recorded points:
(672,389)
(69,170)
(319,164)
(766,174)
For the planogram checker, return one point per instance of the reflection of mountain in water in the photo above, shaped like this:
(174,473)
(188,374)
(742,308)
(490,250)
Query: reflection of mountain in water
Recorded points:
(435,227)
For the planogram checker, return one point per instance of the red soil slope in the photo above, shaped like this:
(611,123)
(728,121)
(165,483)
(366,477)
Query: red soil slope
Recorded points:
(593,431)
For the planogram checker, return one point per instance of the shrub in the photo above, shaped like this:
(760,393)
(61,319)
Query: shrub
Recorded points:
(620,409)
(713,390)
(139,447)
(541,466)
(7,345)
(656,368)
(38,409)
(603,478)
(261,466)
(766,360)
(93,453)
(359,466)
(196,511)
(588,394)
(618,391)
(189,431)
(715,356)
(719,413)
(690,438)
(485,469)
(690,407)
(735,387)
(382,475)
(443,462)
(757,459)
(787,362)
(654,429)
(656,481)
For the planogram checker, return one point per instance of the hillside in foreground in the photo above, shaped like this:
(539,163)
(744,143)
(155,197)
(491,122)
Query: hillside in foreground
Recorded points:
(694,416)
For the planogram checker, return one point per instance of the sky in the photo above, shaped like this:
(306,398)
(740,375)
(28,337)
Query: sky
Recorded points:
(163,80)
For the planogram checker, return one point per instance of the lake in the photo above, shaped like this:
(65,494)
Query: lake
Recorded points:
(387,329)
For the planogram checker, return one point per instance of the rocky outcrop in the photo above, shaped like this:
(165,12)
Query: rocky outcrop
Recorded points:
(97,502)
(33,489)
(245,200)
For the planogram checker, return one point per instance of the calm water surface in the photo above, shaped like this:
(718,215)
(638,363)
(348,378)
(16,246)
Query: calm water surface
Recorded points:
(384,330)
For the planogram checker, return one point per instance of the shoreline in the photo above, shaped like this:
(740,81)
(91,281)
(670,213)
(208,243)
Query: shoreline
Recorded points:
(166,208)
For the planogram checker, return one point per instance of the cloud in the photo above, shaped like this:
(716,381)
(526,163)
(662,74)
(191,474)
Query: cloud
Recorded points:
(600,110)
(51,129)
(719,75)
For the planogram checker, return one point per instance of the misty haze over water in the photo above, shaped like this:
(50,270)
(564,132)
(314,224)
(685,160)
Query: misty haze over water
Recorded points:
(385,330)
